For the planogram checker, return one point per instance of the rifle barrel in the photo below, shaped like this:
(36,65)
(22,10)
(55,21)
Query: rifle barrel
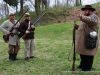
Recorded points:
(7,36)
(39,18)
(24,36)
(18,20)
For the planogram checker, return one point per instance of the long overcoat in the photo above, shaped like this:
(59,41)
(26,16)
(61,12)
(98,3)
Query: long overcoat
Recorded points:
(6,26)
(88,23)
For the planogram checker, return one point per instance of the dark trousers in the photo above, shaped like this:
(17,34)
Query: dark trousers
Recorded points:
(13,49)
(86,62)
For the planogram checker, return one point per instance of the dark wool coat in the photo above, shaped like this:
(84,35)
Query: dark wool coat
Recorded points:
(24,26)
(88,23)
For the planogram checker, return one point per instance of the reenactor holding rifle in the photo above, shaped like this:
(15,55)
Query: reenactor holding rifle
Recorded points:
(27,27)
(9,27)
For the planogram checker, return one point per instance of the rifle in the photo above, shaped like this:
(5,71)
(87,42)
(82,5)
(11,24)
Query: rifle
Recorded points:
(73,64)
(24,36)
(6,37)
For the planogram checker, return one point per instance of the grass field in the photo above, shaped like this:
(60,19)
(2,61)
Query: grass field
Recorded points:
(53,45)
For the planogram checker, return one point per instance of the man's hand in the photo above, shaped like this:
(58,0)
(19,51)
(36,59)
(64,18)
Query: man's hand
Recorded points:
(15,27)
(32,26)
(27,31)
(76,26)
(78,13)
(8,32)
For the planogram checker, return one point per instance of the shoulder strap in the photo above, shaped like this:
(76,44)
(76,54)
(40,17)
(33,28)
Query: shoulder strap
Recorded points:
(28,26)
(90,28)
(14,22)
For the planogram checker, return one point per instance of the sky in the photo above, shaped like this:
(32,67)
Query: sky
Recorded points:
(84,2)
(89,1)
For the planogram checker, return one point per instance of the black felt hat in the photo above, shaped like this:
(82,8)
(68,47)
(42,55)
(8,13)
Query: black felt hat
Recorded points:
(88,7)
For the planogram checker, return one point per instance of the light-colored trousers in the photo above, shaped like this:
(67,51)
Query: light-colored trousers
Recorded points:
(29,47)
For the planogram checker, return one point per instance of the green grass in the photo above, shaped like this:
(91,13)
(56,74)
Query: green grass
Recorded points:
(53,45)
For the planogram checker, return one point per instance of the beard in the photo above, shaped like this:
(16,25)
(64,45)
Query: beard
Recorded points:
(27,20)
(87,14)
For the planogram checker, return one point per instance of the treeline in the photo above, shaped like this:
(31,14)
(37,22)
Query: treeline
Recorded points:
(37,5)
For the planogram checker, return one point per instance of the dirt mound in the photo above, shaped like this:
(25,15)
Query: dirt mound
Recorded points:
(70,16)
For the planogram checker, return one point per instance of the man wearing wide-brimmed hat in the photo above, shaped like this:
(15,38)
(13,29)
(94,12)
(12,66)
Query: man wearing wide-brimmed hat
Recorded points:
(89,21)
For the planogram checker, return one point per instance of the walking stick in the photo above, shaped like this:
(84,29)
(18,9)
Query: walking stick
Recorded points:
(73,64)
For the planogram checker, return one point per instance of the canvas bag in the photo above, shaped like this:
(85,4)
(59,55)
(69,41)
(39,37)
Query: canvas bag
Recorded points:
(90,42)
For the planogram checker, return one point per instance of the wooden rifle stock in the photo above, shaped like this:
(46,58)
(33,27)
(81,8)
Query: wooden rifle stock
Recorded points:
(24,36)
(6,37)
(73,64)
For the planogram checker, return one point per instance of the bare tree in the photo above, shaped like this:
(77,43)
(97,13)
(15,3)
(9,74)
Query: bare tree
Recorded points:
(44,4)
(48,3)
(55,3)
(6,9)
(3,9)
(32,3)
(21,6)
(68,2)
(78,2)
(37,9)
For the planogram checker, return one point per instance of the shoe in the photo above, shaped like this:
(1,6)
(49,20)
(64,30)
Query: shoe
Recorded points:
(26,58)
(79,67)
(11,60)
(15,59)
(11,57)
(32,57)
(86,69)
(14,56)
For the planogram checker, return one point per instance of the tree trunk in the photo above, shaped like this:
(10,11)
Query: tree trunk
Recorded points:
(6,9)
(67,2)
(21,6)
(55,3)
(44,4)
(37,9)
(78,2)
(16,8)
(81,2)
(48,3)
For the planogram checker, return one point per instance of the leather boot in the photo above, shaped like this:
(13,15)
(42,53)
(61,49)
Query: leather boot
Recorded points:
(11,57)
(14,56)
